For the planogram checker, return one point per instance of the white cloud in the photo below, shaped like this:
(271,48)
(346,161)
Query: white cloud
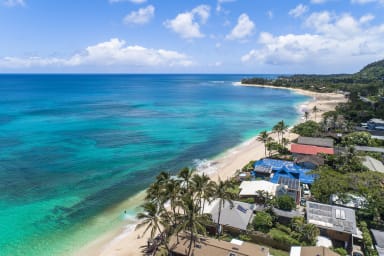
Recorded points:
(366,18)
(318,1)
(11,3)
(270,14)
(187,24)
(132,1)
(335,41)
(114,52)
(243,28)
(298,11)
(142,16)
(367,1)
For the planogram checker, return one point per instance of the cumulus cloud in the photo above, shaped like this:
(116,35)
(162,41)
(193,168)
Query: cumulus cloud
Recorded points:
(187,24)
(11,3)
(132,1)
(334,40)
(114,52)
(243,28)
(367,1)
(298,11)
(142,16)
(318,1)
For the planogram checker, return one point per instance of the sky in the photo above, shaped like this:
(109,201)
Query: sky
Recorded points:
(189,36)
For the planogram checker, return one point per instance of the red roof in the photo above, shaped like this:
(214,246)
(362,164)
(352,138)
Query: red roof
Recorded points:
(310,150)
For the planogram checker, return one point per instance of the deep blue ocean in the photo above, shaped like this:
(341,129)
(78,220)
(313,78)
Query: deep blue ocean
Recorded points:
(74,148)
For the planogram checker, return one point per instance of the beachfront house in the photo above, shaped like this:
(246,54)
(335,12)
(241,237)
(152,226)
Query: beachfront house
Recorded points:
(337,223)
(255,187)
(282,168)
(311,251)
(209,246)
(309,161)
(312,146)
(236,216)
(290,187)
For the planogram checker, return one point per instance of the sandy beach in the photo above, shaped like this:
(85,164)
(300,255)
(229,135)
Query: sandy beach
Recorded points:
(127,241)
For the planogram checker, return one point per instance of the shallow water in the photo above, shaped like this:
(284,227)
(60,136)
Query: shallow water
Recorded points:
(73,147)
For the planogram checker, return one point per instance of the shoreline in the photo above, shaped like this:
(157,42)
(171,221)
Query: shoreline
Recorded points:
(128,241)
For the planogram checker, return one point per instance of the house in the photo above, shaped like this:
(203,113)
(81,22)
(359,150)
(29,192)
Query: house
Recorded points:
(376,124)
(314,141)
(378,237)
(287,169)
(300,149)
(209,246)
(261,171)
(289,187)
(372,164)
(338,223)
(311,251)
(312,146)
(252,188)
(309,161)
(237,216)
(369,149)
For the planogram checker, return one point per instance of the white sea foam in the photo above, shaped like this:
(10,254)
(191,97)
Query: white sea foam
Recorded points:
(205,166)
(217,82)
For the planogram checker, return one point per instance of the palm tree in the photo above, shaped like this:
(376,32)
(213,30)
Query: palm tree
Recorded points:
(191,221)
(202,188)
(315,110)
(283,128)
(306,115)
(309,233)
(280,128)
(277,129)
(263,137)
(223,193)
(186,175)
(152,217)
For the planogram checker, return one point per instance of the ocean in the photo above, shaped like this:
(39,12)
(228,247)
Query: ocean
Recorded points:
(74,148)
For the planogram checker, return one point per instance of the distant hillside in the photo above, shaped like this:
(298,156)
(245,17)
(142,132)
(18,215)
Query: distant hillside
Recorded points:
(366,82)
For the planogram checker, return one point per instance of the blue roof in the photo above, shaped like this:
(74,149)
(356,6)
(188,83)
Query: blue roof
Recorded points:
(288,169)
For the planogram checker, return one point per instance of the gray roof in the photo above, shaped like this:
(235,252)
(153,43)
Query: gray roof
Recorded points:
(293,184)
(332,217)
(263,169)
(321,142)
(373,164)
(379,240)
(369,149)
(287,214)
(238,216)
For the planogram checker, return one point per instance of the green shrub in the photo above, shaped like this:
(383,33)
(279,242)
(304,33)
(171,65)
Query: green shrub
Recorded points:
(285,203)
(262,221)
(282,237)
(341,251)
(308,129)
(245,237)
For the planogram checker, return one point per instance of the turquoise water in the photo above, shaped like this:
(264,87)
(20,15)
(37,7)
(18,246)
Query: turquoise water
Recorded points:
(72,147)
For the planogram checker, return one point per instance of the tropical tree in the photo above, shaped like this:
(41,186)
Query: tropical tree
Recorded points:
(152,217)
(264,137)
(202,188)
(223,193)
(280,128)
(306,115)
(315,110)
(191,220)
(186,175)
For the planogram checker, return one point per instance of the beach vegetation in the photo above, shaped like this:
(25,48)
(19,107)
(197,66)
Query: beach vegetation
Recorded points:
(307,129)
(263,221)
(341,251)
(264,138)
(285,203)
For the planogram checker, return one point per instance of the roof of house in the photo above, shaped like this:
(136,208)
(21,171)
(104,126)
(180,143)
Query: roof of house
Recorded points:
(373,164)
(376,121)
(250,188)
(286,168)
(379,240)
(237,216)
(311,251)
(287,214)
(314,159)
(314,141)
(310,150)
(369,149)
(332,217)
(263,169)
(210,246)
(292,184)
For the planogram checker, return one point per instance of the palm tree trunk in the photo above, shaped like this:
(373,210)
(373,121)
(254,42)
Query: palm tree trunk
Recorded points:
(218,219)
